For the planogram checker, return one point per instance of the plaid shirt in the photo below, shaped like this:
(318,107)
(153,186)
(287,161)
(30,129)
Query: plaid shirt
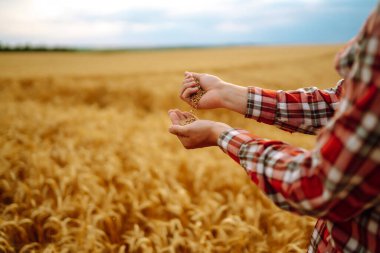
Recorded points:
(339,180)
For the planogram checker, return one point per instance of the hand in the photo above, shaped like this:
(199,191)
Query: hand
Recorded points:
(213,86)
(198,134)
(219,94)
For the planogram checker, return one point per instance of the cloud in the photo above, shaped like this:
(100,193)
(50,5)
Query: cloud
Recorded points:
(234,27)
(146,22)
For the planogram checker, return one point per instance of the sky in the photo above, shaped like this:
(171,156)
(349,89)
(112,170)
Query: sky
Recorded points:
(162,23)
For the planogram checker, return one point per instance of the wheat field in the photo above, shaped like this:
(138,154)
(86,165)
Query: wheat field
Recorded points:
(87,163)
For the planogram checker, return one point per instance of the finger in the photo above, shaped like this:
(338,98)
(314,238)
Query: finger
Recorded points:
(180,114)
(196,75)
(177,114)
(174,117)
(193,76)
(186,86)
(189,91)
(189,78)
(174,110)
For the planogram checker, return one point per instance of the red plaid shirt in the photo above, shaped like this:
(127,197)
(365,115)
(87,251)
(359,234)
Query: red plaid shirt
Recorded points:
(339,180)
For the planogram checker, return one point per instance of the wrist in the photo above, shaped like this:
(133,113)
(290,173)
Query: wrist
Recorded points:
(217,129)
(234,97)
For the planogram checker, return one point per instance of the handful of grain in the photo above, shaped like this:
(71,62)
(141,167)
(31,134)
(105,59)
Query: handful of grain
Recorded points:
(194,99)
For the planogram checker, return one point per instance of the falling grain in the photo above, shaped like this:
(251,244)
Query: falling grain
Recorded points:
(194,101)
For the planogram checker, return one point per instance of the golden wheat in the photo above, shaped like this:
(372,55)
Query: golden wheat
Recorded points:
(87,165)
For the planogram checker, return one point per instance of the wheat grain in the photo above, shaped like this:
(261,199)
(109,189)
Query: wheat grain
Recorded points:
(194,101)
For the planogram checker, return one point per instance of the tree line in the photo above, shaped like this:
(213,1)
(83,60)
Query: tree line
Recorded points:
(33,48)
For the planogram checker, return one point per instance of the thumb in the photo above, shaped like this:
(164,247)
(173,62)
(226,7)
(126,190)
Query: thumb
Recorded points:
(177,130)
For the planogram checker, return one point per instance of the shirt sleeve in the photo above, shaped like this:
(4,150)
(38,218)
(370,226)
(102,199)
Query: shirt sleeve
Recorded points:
(339,178)
(304,110)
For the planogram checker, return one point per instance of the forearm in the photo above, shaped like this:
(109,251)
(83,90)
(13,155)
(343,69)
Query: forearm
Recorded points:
(283,172)
(318,183)
(234,98)
(304,110)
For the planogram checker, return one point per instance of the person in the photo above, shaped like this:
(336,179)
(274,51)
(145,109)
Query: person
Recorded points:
(338,181)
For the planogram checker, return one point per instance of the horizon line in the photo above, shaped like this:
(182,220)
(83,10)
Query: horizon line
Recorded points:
(45,47)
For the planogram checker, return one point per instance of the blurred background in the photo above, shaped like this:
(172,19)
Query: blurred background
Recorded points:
(86,160)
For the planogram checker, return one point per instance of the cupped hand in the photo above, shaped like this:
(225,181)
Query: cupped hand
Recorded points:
(198,134)
(213,86)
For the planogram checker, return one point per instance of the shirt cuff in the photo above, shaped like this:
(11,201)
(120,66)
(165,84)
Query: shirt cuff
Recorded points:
(231,140)
(261,105)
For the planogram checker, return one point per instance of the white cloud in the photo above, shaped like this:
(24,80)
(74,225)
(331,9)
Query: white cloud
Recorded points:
(62,31)
(48,9)
(91,21)
(233,27)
